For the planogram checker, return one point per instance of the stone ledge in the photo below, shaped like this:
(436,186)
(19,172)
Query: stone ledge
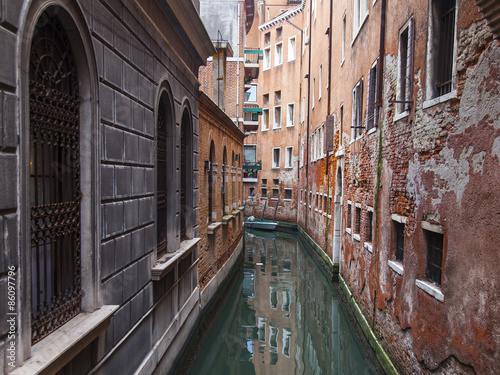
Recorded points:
(431,289)
(368,246)
(212,227)
(53,352)
(167,261)
(226,219)
(396,266)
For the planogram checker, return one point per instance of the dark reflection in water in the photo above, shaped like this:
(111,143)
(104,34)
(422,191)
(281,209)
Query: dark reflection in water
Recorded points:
(282,317)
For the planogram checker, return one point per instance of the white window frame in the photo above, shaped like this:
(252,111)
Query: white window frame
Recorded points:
(357,113)
(277,125)
(290,119)
(431,97)
(371,108)
(264,120)
(320,81)
(278,57)
(313,91)
(266,61)
(292,51)
(344,29)
(360,14)
(302,109)
(404,83)
(276,163)
(291,192)
(289,157)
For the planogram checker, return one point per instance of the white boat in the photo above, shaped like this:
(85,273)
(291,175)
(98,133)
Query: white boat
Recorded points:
(264,225)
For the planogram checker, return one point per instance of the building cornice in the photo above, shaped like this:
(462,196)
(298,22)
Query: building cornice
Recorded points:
(283,16)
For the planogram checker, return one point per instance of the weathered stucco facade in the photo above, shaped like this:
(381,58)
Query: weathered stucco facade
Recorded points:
(397,167)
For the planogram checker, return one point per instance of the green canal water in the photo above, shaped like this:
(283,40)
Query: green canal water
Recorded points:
(281,315)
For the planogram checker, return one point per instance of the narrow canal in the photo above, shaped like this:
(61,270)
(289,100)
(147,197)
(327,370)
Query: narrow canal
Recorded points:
(280,316)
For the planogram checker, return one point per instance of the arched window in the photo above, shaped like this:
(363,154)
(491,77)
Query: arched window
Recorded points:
(164,123)
(55,194)
(186,176)
(210,181)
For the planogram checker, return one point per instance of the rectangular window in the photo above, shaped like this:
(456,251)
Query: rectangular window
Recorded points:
(276,157)
(313,91)
(434,256)
(405,66)
(249,154)
(265,99)
(289,157)
(264,181)
(290,114)
(263,193)
(276,181)
(277,96)
(279,54)
(277,117)
(320,80)
(265,119)
(251,93)
(267,58)
(291,49)
(360,13)
(267,38)
(349,216)
(357,220)
(369,227)
(279,33)
(441,47)
(343,37)
(275,193)
(372,110)
(341,124)
(399,229)
(288,194)
(357,110)
(252,192)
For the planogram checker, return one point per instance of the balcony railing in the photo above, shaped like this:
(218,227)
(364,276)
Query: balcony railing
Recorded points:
(253,55)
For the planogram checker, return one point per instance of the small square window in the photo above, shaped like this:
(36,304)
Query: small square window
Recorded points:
(264,181)
(276,181)
(400,240)
(434,256)
(275,193)
(277,96)
(288,193)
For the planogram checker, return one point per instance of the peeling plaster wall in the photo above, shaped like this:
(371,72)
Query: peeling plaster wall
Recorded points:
(441,164)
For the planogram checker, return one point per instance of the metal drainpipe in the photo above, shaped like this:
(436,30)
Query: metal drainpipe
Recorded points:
(308,115)
(328,208)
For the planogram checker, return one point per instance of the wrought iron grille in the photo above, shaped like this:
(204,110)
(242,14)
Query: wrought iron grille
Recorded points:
(434,256)
(446,46)
(161,178)
(184,147)
(54,179)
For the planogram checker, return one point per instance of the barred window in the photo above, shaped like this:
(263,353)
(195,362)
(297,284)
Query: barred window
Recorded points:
(434,256)
(399,251)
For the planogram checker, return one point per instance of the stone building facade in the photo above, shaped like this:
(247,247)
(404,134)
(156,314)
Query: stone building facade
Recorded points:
(221,216)
(100,204)
(397,159)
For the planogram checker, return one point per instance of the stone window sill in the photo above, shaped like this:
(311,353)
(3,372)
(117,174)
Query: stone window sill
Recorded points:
(440,99)
(431,289)
(396,266)
(226,219)
(348,230)
(368,246)
(371,131)
(356,236)
(401,116)
(212,227)
(61,346)
(167,261)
